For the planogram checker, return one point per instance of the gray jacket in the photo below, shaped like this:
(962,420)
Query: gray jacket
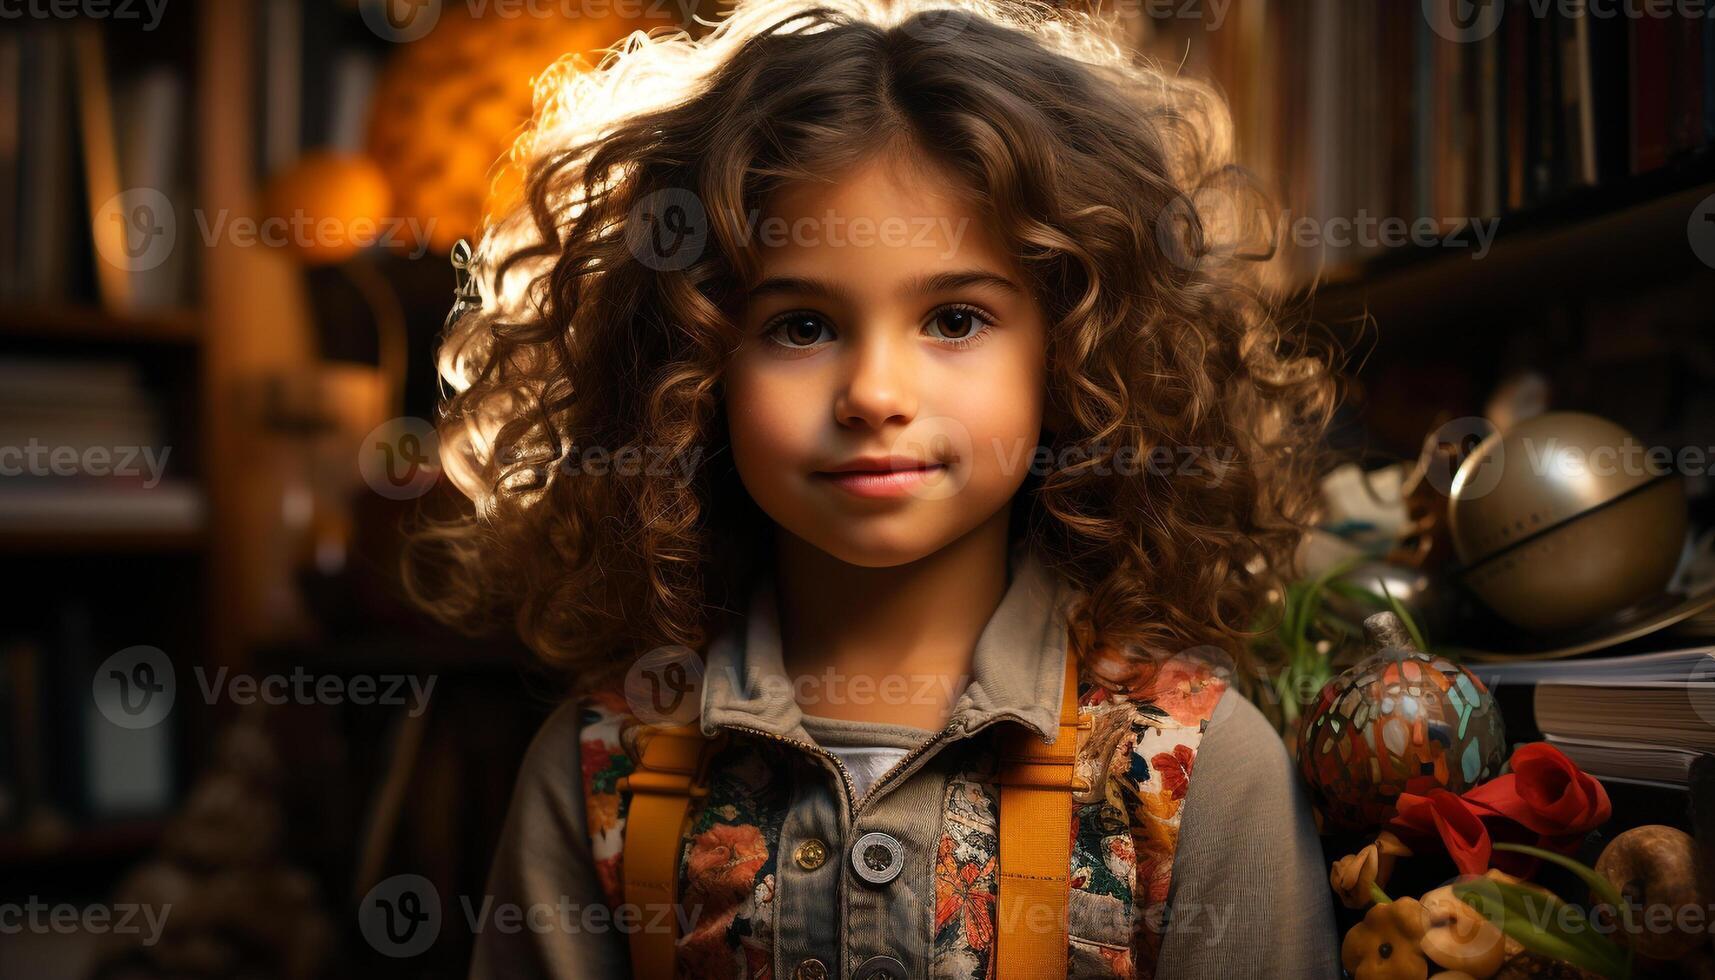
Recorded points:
(1249,895)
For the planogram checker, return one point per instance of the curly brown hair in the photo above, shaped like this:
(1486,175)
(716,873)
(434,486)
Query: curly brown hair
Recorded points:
(1097,168)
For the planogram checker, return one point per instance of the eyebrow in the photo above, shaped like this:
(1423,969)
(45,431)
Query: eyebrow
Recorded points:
(917,286)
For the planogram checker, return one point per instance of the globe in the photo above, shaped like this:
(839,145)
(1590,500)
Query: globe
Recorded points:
(1400,721)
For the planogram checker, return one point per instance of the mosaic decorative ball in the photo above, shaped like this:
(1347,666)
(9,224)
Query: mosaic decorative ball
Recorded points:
(1400,721)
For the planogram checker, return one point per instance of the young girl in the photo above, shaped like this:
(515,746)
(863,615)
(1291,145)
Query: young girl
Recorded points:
(858,415)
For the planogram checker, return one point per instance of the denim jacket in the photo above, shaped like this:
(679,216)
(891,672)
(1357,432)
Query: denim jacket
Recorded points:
(781,874)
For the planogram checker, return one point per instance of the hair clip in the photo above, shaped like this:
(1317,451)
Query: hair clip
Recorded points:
(466,297)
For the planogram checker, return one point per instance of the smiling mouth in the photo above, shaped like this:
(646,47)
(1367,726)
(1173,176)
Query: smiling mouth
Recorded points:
(890,482)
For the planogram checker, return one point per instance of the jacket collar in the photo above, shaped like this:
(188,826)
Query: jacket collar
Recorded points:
(1017,669)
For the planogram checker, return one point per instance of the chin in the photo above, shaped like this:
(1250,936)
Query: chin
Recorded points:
(873,540)
(857,544)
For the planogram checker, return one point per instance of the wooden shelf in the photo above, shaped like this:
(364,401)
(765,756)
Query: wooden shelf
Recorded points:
(90,323)
(69,541)
(99,842)
(1591,240)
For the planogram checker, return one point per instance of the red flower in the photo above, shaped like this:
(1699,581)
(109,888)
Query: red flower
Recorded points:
(1545,801)
(1444,814)
(1175,769)
(1545,793)
(1186,686)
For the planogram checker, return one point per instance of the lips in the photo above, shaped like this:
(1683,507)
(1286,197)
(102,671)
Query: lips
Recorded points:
(882,477)
(881,464)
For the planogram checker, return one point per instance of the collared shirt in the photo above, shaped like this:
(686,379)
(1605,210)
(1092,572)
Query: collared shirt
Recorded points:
(1248,894)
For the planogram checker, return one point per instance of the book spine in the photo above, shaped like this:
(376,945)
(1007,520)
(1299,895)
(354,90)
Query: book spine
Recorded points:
(11,170)
(1709,79)
(1688,79)
(1649,87)
(1518,101)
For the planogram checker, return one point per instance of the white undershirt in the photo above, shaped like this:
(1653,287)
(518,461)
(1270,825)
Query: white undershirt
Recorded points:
(866,763)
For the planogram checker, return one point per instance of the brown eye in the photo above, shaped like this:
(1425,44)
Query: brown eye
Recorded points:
(798,329)
(957,323)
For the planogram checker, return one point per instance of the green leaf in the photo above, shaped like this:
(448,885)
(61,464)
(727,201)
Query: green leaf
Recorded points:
(1310,596)
(1357,593)
(1603,888)
(1564,934)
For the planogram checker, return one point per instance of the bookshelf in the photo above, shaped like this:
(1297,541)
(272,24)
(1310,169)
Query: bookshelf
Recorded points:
(1589,144)
(236,352)
(96,325)
(117,532)
(118,840)
(1601,239)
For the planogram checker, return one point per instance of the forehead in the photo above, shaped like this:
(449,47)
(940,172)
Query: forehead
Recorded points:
(888,216)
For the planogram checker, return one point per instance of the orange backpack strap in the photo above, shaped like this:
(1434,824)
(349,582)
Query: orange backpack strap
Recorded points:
(1037,780)
(671,772)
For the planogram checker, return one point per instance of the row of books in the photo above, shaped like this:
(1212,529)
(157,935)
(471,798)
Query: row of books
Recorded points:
(1382,110)
(1642,718)
(86,452)
(76,144)
(97,139)
(62,762)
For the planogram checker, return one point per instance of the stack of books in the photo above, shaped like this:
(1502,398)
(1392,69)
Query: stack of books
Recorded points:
(83,450)
(1641,718)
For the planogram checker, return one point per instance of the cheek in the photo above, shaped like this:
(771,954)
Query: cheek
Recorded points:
(769,422)
(1003,414)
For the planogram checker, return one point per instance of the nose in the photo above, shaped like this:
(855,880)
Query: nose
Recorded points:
(879,384)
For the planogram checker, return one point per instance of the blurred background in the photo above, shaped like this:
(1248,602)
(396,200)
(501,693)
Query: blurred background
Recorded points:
(226,232)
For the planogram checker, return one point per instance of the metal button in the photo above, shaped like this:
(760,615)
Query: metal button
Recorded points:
(880,968)
(811,854)
(878,858)
(811,969)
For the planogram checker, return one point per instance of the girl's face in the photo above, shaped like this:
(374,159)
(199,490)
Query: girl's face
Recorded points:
(888,393)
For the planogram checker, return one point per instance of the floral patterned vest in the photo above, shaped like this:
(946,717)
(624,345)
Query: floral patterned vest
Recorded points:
(1138,759)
